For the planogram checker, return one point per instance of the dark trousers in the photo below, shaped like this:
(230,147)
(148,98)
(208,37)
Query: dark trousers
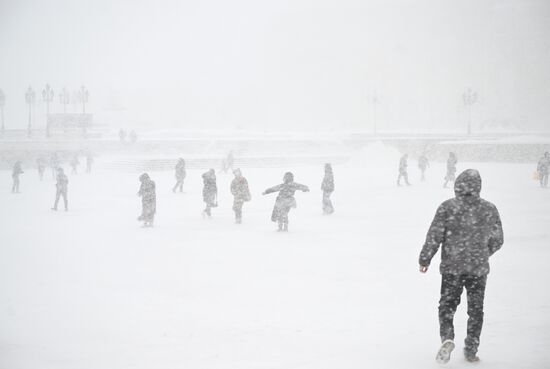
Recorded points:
(543,177)
(61,193)
(451,289)
(179,185)
(238,208)
(405,175)
(327,203)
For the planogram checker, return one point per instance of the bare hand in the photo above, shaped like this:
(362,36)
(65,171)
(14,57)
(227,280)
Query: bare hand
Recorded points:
(423,269)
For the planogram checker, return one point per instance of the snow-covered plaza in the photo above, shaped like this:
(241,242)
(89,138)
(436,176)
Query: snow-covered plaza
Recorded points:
(91,288)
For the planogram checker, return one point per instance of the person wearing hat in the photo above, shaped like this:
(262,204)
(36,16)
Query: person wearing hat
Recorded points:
(241,193)
(147,192)
(285,200)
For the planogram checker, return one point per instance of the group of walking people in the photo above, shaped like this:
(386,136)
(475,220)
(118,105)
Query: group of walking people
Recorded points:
(423,164)
(240,190)
(62,181)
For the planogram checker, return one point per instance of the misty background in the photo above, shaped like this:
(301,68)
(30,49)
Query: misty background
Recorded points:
(280,65)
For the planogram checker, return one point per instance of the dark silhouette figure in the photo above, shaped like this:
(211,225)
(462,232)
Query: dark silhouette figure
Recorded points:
(16,172)
(451,169)
(241,193)
(469,230)
(328,188)
(74,164)
(285,200)
(423,164)
(41,165)
(209,191)
(148,196)
(543,168)
(403,171)
(54,164)
(180,175)
(89,162)
(62,188)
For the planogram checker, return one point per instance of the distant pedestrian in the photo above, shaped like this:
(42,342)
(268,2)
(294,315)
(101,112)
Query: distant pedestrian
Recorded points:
(228,162)
(285,200)
(89,162)
(469,231)
(74,164)
(543,168)
(423,164)
(16,172)
(403,170)
(451,169)
(62,188)
(122,135)
(209,191)
(241,194)
(54,164)
(148,195)
(41,166)
(180,175)
(328,188)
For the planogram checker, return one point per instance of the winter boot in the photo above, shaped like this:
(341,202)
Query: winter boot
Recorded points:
(444,353)
(470,356)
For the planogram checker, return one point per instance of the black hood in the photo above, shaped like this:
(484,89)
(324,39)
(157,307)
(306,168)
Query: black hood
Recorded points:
(468,184)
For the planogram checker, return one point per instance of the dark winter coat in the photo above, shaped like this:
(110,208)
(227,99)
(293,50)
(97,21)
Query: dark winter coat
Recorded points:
(328,182)
(451,164)
(543,166)
(423,162)
(468,229)
(180,170)
(285,201)
(239,189)
(148,195)
(62,183)
(16,170)
(210,189)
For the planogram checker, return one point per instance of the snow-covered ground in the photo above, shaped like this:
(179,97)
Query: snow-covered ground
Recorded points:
(92,289)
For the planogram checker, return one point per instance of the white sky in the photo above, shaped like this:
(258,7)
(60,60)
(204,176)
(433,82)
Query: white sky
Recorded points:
(282,64)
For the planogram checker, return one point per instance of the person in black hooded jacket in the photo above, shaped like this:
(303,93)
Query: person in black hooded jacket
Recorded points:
(469,231)
(285,200)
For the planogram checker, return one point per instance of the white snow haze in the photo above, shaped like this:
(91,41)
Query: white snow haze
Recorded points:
(255,184)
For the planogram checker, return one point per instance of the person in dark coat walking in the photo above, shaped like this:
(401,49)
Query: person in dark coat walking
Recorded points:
(241,193)
(451,169)
(543,168)
(209,191)
(41,165)
(148,195)
(469,231)
(327,186)
(62,188)
(180,175)
(403,170)
(285,200)
(16,172)
(423,164)
(54,164)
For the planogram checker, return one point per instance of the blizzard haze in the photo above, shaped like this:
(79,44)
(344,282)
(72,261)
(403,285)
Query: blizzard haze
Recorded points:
(272,65)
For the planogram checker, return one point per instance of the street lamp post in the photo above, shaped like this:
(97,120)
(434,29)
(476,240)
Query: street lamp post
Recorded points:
(47,96)
(83,95)
(2,103)
(30,98)
(64,99)
(469,98)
